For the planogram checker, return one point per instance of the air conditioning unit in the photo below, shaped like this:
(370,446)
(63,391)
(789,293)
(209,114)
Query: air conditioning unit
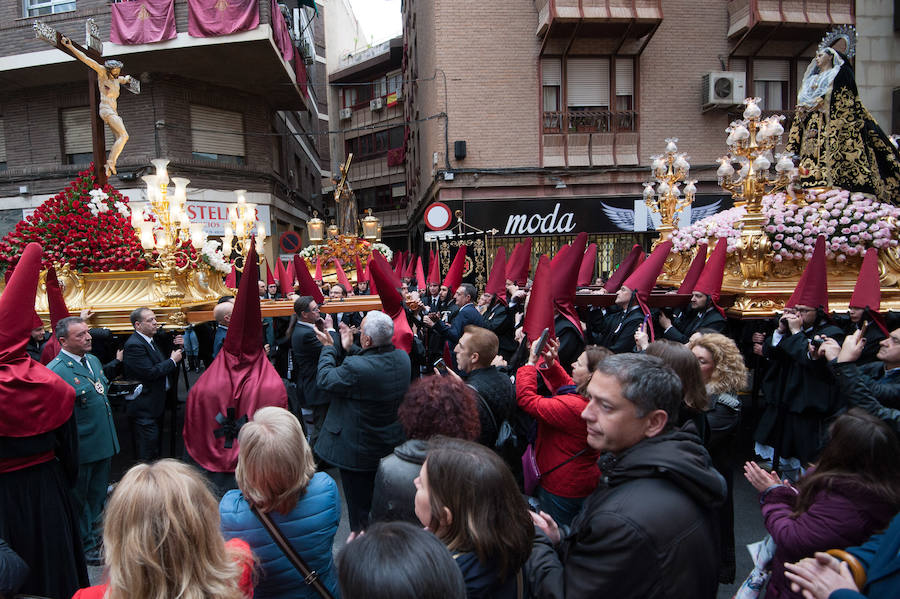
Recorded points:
(723,89)
(346,113)
(376,104)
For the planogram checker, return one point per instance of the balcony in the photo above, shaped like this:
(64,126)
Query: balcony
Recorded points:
(590,138)
(798,23)
(626,26)
(247,61)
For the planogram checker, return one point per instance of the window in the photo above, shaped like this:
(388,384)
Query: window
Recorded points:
(375,144)
(78,145)
(395,83)
(587,84)
(551,80)
(770,82)
(35,8)
(217,135)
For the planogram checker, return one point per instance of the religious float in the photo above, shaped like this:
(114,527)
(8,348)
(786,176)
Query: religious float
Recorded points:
(844,187)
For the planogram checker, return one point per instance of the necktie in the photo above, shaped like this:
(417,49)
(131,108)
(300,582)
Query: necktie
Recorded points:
(84,363)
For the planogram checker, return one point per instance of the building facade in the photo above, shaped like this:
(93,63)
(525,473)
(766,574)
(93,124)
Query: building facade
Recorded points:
(229,111)
(539,119)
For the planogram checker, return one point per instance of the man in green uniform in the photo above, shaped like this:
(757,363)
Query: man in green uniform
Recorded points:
(97,441)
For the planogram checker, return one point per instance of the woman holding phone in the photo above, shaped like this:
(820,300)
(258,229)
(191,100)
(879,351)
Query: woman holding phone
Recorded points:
(569,467)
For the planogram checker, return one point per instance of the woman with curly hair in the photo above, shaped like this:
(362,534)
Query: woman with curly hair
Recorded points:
(725,375)
(433,405)
(467,496)
(162,540)
(568,466)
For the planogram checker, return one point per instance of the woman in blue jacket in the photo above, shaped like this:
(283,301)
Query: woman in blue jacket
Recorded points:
(276,473)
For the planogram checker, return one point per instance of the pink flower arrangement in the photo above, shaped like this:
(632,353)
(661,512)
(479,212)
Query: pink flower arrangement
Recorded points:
(851,223)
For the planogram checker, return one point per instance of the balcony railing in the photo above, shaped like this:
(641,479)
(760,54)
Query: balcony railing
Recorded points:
(589,121)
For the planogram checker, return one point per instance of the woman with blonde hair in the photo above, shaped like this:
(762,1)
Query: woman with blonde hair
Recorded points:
(162,540)
(277,475)
(725,375)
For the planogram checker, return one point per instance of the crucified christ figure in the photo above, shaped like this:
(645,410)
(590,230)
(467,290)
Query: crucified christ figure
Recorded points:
(108,80)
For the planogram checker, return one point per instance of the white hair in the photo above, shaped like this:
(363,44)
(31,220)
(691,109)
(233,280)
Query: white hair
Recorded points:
(379,327)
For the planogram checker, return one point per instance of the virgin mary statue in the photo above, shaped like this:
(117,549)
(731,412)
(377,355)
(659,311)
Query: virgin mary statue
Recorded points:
(838,142)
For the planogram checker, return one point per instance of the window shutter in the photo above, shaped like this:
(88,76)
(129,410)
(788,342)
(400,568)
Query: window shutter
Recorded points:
(550,72)
(215,131)
(77,131)
(624,76)
(587,82)
(771,70)
(2,142)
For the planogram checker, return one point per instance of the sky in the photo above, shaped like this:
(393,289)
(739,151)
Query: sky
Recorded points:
(380,19)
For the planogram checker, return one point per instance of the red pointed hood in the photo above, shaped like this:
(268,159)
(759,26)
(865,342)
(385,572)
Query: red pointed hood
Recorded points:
(35,400)
(454,276)
(280,273)
(496,283)
(420,275)
(565,279)
(398,266)
(434,269)
(410,271)
(634,259)
(306,283)
(391,303)
(812,288)
(693,273)
(342,276)
(539,312)
(318,277)
(588,262)
(36,320)
(710,281)
(58,311)
(231,278)
(287,280)
(360,273)
(519,263)
(393,280)
(643,279)
(867,292)
(270,278)
(239,381)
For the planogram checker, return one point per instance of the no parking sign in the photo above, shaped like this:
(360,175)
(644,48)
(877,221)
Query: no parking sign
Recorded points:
(289,242)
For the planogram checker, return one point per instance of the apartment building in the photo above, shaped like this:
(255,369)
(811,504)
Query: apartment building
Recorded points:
(538,119)
(242,110)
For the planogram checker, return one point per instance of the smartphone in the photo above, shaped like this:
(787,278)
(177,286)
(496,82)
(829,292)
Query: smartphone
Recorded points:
(542,341)
(441,366)
(320,324)
(816,342)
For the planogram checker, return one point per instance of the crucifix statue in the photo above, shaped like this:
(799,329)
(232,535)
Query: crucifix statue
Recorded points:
(104,78)
(345,201)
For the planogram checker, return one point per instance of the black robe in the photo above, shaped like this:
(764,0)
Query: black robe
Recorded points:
(800,395)
(501,321)
(689,323)
(616,329)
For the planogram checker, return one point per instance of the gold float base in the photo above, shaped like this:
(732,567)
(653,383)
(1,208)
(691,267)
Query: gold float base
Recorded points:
(113,295)
(758,298)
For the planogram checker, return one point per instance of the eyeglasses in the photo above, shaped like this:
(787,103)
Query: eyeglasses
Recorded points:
(804,310)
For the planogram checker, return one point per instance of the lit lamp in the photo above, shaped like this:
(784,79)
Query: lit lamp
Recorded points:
(378,233)
(315,228)
(333,230)
(242,225)
(371,227)
(669,170)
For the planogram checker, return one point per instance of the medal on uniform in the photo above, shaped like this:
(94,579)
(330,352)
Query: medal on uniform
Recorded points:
(76,380)
(99,387)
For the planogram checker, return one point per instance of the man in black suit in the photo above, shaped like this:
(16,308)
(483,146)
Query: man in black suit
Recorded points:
(616,329)
(351,319)
(305,348)
(467,314)
(144,362)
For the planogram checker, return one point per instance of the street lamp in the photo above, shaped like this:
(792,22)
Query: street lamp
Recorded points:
(371,227)
(315,227)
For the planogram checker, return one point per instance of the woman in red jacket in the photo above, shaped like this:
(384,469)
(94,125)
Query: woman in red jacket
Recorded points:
(561,443)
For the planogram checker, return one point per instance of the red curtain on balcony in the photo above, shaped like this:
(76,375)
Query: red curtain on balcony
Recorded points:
(142,22)
(281,33)
(395,157)
(209,18)
(300,71)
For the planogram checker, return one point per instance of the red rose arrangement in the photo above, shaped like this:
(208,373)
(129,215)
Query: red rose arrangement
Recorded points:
(85,227)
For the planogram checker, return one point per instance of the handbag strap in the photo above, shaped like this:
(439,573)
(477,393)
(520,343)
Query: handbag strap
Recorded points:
(561,464)
(310,576)
(486,407)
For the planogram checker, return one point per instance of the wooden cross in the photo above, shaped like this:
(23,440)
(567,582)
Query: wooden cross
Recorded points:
(94,51)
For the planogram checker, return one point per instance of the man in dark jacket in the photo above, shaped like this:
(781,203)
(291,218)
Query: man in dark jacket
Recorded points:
(306,349)
(648,530)
(365,389)
(874,386)
(702,314)
(468,314)
(615,329)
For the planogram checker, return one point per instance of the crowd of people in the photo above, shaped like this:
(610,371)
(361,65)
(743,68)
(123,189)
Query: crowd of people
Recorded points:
(504,445)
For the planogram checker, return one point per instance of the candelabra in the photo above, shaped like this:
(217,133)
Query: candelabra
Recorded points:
(239,232)
(670,170)
(751,142)
(170,232)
